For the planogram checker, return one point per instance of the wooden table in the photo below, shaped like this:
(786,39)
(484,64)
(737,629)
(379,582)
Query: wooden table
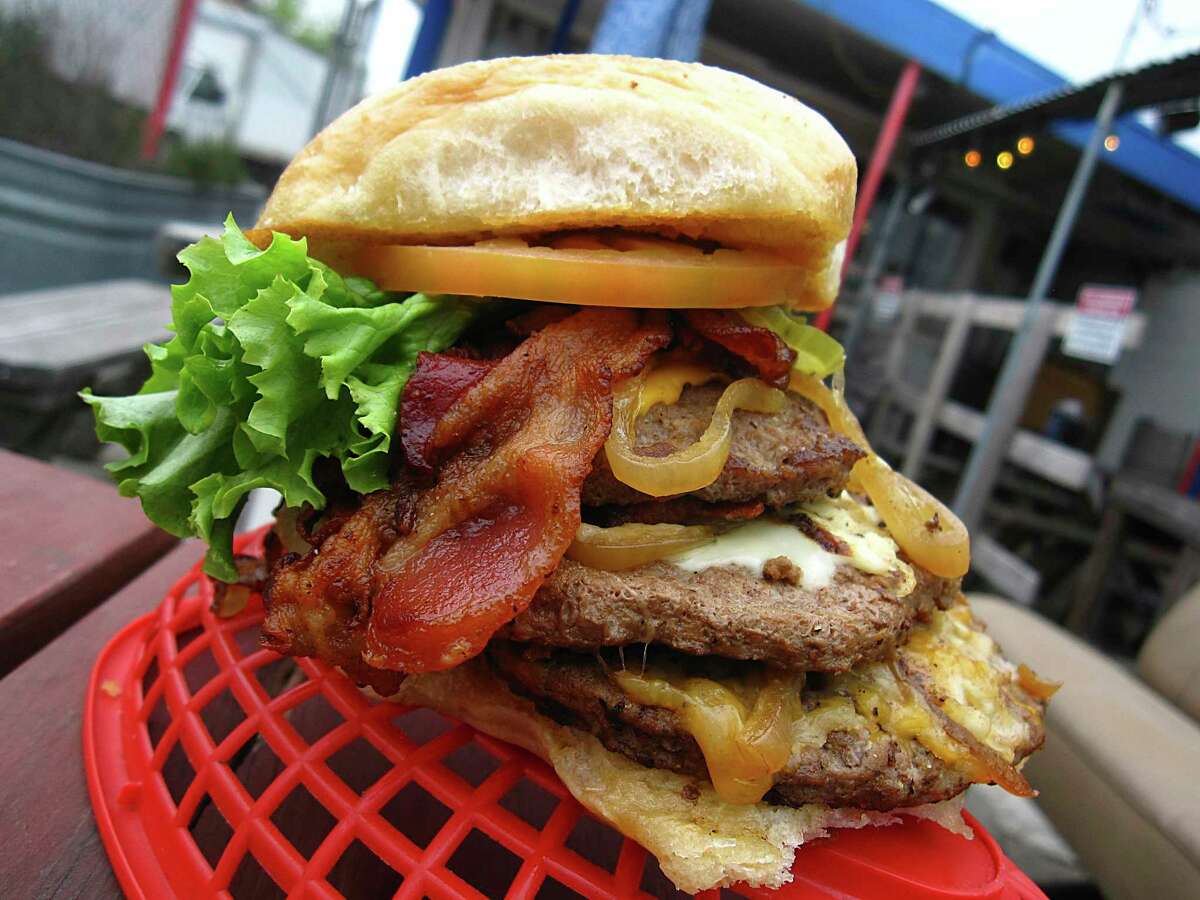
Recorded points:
(67,542)
(54,342)
(78,562)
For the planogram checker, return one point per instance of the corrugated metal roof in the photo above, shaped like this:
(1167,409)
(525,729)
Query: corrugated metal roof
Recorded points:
(1149,85)
(979,61)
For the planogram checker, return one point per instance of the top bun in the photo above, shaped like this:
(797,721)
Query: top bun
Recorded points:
(533,144)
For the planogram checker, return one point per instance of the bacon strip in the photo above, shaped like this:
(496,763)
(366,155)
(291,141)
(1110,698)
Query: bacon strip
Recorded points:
(761,348)
(517,448)
(418,579)
(438,381)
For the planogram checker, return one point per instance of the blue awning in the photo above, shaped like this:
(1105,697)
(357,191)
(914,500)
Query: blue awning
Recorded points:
(979,61)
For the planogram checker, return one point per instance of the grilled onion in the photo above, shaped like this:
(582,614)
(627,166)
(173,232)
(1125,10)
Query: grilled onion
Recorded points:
(691,468)
(629,546)
(932,536)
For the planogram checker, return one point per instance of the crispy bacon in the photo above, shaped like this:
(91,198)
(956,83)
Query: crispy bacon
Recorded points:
(434,572)
(761,348)
(437,382)
(317,605)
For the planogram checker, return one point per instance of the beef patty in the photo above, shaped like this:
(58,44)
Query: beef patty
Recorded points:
(779,458)
(857,767)
(729,611)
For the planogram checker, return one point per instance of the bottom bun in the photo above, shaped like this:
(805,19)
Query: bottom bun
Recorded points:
(701,841)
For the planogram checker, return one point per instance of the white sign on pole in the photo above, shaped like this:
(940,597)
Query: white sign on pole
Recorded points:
(887,297)
(1098,323)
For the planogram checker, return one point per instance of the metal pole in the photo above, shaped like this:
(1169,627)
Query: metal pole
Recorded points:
(881,155)
(156,122)
(878,259)
(336,61)
(1016,377)
(562,31)
(924,425)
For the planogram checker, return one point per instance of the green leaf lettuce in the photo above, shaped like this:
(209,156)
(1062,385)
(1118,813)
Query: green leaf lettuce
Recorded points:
(276,362)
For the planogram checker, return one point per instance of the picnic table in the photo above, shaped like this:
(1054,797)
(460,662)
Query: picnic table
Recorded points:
(54,342)
(78,562)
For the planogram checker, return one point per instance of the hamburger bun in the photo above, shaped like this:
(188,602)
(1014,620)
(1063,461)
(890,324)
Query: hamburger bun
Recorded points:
(528,145)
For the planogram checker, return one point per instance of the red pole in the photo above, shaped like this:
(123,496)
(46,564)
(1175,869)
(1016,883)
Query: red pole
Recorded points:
(881,155)
(157,120)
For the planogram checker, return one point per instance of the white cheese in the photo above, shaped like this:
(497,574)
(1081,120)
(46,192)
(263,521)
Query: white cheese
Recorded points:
(751,545)
(856,525)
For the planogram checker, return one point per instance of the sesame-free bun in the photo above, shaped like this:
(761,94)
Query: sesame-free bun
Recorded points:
(528,145)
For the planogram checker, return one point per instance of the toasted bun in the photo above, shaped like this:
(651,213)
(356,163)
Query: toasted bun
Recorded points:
(700,843)
(533,144)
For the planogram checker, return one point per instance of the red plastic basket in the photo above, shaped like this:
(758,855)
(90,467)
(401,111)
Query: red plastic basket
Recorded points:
(220,769)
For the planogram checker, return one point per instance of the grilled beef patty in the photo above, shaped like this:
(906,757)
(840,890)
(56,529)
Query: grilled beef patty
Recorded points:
(729,611)
(859,767)
(779,458)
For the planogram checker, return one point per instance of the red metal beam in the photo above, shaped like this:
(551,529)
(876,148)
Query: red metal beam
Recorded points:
(156,122)
(881,155)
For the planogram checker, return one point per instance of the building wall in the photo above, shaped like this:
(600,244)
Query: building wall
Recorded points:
(1161,379)
(284,91)
(271,84)
(119,44)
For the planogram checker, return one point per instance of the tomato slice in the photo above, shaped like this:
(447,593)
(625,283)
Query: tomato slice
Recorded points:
(595,270)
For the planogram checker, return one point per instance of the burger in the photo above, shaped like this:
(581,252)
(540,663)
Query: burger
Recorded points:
(521,343)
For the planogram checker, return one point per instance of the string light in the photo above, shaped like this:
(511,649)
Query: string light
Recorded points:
(972,158)
(1004,159)
(1025,145)
(1111,143)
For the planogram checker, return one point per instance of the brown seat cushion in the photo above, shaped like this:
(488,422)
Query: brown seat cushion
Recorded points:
(1170,658)
(1118,776)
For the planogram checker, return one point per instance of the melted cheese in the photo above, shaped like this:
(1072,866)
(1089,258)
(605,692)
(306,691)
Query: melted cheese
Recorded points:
(751,545)
(749,726)
(856,525)
(880,696)
(859,526)
(744,726)
(970,677)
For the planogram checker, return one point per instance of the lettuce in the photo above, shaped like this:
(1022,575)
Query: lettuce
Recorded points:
(276,361)
(817,354)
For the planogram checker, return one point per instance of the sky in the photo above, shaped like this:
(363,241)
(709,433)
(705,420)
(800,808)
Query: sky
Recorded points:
(388,53)
(1079,39)
(1082,39)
